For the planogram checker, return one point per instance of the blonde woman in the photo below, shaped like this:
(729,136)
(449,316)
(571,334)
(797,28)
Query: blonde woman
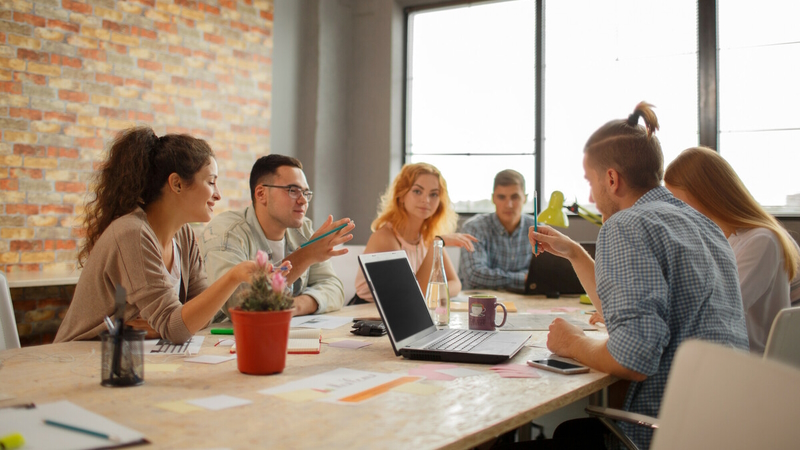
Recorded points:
(766,256)
(414,210)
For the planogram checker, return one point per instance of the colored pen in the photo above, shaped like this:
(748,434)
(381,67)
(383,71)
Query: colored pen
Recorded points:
(535,222)
(82,430)
(13,440)
(329,232)
(222,331)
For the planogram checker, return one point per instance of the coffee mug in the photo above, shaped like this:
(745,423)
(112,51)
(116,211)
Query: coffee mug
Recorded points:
(482,312)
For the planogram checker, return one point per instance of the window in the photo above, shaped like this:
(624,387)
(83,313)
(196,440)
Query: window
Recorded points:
(471,89)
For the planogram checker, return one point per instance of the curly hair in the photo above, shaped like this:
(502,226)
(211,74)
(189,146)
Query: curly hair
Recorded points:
(134,173)
(391,210)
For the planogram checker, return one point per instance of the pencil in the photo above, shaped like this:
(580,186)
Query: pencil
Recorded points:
(82,430)
(535,222)
(326,234)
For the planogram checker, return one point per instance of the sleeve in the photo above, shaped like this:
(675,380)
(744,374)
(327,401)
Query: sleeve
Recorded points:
(758,261)
(475,271)
(198,279)
(151,291)
(634,297)
(326,288)
(220,255)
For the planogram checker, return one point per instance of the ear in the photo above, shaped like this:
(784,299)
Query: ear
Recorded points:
(613,180)
(175,183)
(261,195)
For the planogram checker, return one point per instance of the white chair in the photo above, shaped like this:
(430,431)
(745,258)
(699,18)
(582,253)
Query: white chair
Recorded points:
(346,268)
(8,324)
(718,397)
(783,343)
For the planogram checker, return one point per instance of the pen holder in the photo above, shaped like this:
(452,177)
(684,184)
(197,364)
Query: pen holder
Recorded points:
(122,362)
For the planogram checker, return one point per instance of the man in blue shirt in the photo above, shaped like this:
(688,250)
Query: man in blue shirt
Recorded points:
(502,254)
(663,273)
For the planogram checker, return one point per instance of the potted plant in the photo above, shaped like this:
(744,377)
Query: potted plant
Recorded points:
(261,323)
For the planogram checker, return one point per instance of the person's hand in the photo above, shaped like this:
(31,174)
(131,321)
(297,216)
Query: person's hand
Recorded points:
(323,249)
(596,318)
(141,324)
(462,240)
(552,241)
(561,336)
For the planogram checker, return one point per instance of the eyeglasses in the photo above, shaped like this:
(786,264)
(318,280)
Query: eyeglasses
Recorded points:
(294,191)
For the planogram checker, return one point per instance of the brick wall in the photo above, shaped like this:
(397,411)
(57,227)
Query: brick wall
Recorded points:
(75,72)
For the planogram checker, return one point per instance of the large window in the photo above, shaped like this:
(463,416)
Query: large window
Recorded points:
(472,75)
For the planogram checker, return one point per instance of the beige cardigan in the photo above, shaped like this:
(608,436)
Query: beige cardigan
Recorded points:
(129,253)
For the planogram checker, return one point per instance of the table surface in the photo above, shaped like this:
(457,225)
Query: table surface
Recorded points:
(466,412)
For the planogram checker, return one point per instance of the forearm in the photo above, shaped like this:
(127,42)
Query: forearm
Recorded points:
(583,264)
(594,353)
(202,308)
(305,304)
(301,261)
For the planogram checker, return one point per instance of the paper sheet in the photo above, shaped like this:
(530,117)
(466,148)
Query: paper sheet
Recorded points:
(218,402)
(540,322)
(418,388)
(320,321)
(180,407)
(338,384)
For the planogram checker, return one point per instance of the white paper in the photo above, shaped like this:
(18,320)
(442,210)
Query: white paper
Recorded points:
(320,321)
(210,359)
(195,343)
(338,383)
(38,436)
(539,322)
(218,402)
(461,372)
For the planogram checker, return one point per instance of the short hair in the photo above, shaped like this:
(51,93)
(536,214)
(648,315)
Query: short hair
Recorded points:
(509,177)
(714,184)
(629,148)
(269,165)
(443,220)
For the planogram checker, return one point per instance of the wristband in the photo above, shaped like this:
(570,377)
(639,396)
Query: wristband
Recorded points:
(440,238)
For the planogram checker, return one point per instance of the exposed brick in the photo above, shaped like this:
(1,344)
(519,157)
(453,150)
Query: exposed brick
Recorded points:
(22,77)
(30,55)
(72,96)
(110,79)
(19,41)
(82,41)
(141,32)
(141,116)
(89,143)
(149,65)
(77,7)
(150,3)
(19,136)
(9,185)
(13,63)
(30,18)
(70,153)
(114,26)
(167,27)
(60,117)
(110,112)
(121,49)
(266,15)
(200,84)
(213,38)
(211,115)
(205,55)
(41,221)
(66,61)
(230,4)
(16,233)
(92,53)
(131,41)
(30,114)
(209,9)
(11,87)
(50,35)
(57,209)
(240,25)
(16,172)
(40,163)
(66,26)
(70,186)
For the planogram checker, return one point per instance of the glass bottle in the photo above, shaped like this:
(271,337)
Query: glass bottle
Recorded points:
(437,295)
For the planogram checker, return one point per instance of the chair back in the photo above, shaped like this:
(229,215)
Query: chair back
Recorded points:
(783,343)
(718,397)
(346,268)
(8,324)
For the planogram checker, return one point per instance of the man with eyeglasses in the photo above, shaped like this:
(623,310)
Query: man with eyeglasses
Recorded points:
(276,223)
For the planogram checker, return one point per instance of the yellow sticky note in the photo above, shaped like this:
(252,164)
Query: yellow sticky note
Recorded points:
(418,388)
(160,367)
(302,395)
(179,407)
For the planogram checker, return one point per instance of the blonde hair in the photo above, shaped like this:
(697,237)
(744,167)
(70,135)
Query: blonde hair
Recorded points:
(391,210)
(713,183)
(630,149)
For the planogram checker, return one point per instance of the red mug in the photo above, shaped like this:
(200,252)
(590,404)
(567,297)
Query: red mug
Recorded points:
(482,310)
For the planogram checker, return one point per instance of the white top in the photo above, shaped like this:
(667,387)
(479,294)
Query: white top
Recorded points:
(763,280)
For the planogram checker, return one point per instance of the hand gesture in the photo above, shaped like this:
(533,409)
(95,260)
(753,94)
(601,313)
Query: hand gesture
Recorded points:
(561,336)
(552,241)
(597,317)
(323,249)
(459,240)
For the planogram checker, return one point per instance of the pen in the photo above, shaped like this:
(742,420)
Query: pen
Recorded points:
(82,430)
(222,331)
(329,232)
(535,222)
(13,440)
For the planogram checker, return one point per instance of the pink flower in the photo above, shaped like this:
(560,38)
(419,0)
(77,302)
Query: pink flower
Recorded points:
(278,282)
(262,259)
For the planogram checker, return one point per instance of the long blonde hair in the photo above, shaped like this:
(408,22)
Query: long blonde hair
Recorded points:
(391,210)
(713,183)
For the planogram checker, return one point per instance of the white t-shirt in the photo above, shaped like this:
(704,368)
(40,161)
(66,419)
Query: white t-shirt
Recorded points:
(277,251)
(763,281)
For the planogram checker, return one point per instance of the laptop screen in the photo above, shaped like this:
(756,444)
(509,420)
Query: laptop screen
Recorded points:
(403,306)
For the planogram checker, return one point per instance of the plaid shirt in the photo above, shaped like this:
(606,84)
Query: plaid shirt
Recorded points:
(665,273)
(500,259)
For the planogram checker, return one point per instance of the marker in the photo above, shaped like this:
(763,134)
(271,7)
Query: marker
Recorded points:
(13,440)
(82,430)
(535,222)
(222,331)
(329,232)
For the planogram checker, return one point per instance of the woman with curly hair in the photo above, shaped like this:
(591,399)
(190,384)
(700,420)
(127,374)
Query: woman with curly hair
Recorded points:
(138,237)
(414,210)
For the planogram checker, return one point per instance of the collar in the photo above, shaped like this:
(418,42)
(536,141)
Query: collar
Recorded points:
(659,193)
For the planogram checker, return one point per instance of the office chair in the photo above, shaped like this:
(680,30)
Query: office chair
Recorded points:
(718,397)
(8,324)
(783,342)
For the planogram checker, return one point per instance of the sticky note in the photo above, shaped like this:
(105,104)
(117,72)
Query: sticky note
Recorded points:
(459,372)
(218,402)
(301,395)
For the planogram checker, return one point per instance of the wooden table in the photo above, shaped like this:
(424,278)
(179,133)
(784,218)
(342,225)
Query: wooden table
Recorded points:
(465,413)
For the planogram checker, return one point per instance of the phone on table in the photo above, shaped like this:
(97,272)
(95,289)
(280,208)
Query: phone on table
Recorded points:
(558,366)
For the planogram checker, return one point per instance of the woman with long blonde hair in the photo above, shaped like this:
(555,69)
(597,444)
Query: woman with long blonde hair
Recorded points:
(767,257)
(414,211)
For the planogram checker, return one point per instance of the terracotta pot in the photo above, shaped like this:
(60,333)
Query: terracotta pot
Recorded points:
(261,339)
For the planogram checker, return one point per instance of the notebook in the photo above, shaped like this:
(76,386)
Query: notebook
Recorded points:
(409,324)
(304,341)
(554,276)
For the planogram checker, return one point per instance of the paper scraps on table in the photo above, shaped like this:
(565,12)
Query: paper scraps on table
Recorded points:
(349,343)
(210,359)
(342,385)
(152,367)
(178,406)
(516,371)
(433,371)
(418,388)
(301,395)
(225,342)
(218,402)
(459,372)
(565,309)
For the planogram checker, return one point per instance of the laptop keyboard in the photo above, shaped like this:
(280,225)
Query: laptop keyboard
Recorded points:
(460,341)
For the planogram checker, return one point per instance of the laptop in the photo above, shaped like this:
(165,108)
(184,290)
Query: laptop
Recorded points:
(410,326)
(553,276)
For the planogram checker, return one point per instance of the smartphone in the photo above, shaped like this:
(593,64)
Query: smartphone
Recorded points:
(558,366)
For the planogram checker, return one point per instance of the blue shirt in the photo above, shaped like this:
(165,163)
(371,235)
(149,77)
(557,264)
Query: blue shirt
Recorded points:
(500,259)
(665,273)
